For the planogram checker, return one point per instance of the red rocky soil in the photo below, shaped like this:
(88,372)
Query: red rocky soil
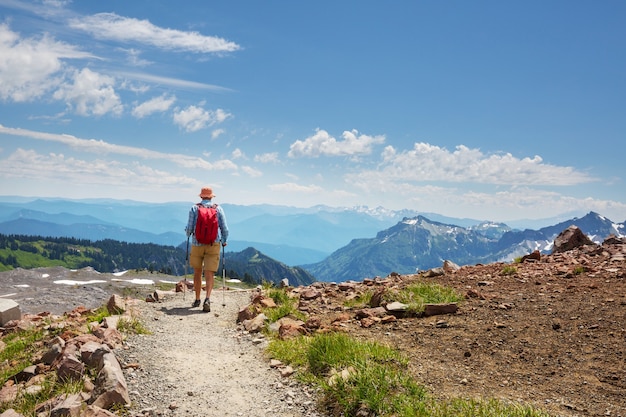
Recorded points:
(550,332)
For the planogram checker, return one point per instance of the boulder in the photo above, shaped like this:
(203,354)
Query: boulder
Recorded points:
(570,238)
(9,310)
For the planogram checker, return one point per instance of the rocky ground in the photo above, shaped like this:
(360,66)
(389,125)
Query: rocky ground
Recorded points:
(550,332)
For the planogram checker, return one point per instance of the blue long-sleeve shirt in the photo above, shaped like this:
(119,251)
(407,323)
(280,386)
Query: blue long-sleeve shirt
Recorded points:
(221,222)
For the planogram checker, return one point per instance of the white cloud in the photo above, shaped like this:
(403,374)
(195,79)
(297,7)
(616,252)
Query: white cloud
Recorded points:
(90,94)
(134,59)
(426,163)
(173,82)
(290,187)
(58,167)
(157,104)
(238,153)
(251,172)
(101,147)
(322,143)
(195,118)
(31,67)
(130,30)
(217,133)
(270,157)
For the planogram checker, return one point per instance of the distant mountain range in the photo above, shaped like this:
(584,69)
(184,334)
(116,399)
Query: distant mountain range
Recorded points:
(334,244)
(292,235)
(418,243)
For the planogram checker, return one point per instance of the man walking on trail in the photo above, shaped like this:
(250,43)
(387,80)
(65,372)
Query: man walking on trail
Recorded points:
(206,255)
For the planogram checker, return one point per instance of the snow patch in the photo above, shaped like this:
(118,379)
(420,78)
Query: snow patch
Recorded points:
(137,281)
(72,282)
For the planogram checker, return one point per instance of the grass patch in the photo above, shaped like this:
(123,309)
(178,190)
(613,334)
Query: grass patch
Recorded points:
(367,378)
(509,270)
(98,314)
(19,349)
(417,295)
(131,325)
(361,300)
(285,306)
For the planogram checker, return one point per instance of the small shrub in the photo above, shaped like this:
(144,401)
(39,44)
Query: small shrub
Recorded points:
(509,270)
(132,325)
(361,300)
(285,306)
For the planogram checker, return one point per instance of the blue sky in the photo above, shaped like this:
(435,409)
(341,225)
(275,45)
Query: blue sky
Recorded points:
(484,109)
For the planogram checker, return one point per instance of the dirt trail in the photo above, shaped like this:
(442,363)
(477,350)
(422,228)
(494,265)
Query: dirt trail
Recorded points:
(201,364)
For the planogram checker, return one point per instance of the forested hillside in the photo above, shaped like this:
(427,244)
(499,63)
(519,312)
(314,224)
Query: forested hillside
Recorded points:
(103,255)
(109,256)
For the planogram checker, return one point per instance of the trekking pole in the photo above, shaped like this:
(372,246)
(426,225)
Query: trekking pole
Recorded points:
(223,278)
(185,279)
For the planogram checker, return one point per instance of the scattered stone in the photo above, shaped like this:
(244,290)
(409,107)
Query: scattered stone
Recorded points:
(438,309)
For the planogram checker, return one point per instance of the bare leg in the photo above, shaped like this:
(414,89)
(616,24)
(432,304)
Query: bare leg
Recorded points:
(197,282)
(210,280)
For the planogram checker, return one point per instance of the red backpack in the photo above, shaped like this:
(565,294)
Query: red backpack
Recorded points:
(206,224)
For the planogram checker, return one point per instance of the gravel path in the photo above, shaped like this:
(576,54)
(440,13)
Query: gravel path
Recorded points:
(203,364)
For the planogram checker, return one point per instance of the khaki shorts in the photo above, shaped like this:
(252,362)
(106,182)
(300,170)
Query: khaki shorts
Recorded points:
(207,255)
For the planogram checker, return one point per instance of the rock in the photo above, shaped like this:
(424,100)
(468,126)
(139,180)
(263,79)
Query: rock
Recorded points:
(256,324)
(11,413)
(56,347)
(70,368)
(377,297)
(70,405)
(570,238)
(91,353)
(284,283)
(534,256)
(111,337)
(116,304)
(246,313)
(371,312)
(437,309)
(9,310)
(434,272)
(111,386)
(290,328)
(8,393)
(26,373)
(310,294)
(450,267)
(267,302)
(111,322)
(397,307)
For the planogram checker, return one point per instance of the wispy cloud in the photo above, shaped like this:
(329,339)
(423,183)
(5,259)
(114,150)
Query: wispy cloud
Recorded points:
(290,187)
(172,82)
(323,144)
(101,147)
(58,167)
(124,29)
(155,105)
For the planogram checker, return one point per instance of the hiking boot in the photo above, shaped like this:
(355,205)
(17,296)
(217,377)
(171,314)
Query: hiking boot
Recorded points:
(206,306)
(195,304)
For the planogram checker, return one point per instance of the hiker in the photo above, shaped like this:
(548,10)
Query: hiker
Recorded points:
(206,256)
